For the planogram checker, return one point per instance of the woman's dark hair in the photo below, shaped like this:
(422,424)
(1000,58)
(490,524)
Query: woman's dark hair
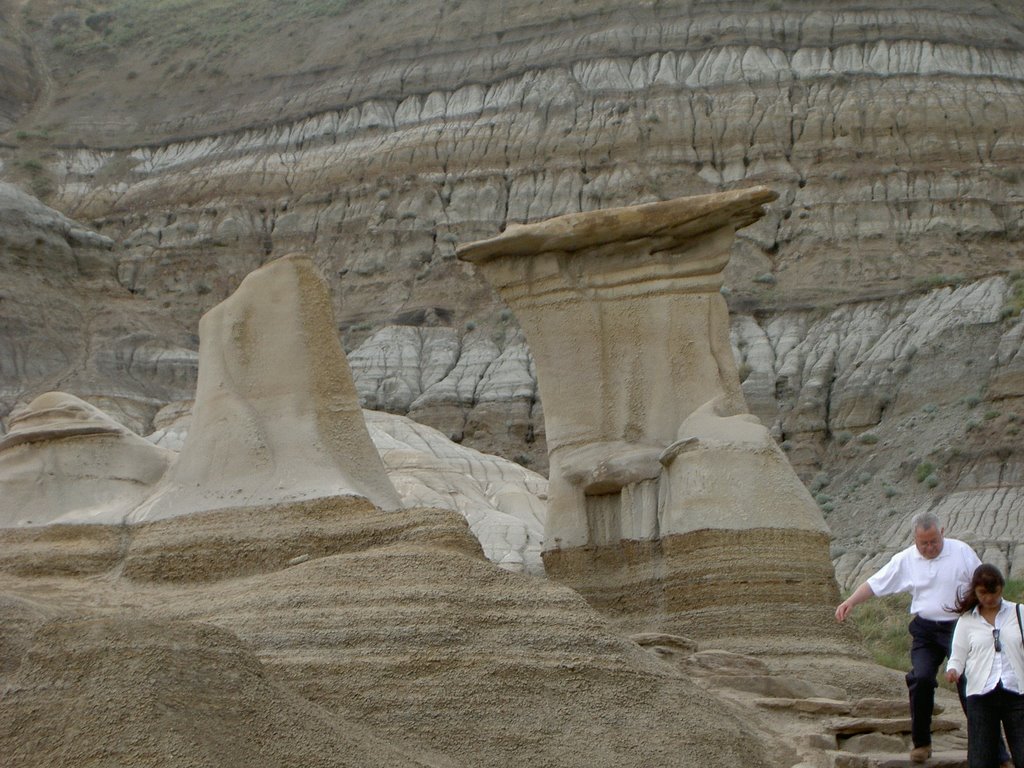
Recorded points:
(986,576)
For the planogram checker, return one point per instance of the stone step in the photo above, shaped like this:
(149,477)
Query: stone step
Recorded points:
(851,725)
(878,708)
(946,759)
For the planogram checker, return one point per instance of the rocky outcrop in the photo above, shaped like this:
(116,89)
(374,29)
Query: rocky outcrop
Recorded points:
(66,323)
(276,420)
(63,460)
(657,471)
(276,417)
(504,503)
(865,396)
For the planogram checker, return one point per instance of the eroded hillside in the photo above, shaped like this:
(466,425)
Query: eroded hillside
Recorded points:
(876,307)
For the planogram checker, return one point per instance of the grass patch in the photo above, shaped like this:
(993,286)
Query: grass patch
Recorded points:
(1013,304)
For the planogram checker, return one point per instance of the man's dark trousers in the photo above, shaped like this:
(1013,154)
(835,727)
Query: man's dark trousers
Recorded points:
(931,642)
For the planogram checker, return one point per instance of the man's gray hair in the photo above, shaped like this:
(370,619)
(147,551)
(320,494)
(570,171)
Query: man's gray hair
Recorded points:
(924,521)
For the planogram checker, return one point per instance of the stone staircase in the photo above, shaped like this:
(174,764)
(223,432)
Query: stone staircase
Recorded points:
(818,725)
(871,733)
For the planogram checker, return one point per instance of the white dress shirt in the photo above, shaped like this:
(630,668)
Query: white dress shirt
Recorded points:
(933,584)
(974,651)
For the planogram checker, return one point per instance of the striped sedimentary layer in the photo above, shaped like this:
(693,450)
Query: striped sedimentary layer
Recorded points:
(545,110)
(890,130)
(756,591)
(399,626)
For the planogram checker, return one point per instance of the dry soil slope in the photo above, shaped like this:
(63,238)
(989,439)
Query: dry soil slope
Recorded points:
(395,622)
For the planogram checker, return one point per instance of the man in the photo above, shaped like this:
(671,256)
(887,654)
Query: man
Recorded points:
(934,570)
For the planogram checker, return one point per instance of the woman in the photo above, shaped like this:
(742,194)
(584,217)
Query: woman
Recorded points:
(988,647)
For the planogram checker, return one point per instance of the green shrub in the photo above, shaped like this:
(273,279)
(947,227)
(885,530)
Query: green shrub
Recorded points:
(882,622)
(931,282)
(868,438)
(922,471)
(1013,302)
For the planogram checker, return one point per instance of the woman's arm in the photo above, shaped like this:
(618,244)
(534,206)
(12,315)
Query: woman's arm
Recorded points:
(961,650)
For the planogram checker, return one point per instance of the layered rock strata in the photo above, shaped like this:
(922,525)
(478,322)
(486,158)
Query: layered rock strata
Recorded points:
(650,445)
(890,129)
(503,503)
(67,324)
(393,622)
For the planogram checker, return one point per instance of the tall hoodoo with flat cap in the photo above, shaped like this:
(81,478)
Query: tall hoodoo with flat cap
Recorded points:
(659,477)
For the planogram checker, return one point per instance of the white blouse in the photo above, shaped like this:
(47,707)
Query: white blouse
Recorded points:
(974,651)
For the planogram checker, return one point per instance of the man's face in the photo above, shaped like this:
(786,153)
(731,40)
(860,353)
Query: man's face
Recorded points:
(929,541)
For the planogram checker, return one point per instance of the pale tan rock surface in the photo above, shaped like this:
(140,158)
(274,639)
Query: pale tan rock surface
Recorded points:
(65,461)
(629,333)
(130,690)
(276,417)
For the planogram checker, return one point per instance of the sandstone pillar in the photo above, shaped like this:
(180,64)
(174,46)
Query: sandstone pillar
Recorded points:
(660,480)
(277,417)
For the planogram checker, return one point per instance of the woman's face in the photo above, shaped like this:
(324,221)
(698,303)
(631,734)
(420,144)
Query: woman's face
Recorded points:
(988,599)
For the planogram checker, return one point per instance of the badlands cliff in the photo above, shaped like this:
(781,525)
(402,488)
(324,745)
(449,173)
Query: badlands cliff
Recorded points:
(875,308)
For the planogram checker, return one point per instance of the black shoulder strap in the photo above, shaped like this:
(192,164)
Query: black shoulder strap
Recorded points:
(1020,626)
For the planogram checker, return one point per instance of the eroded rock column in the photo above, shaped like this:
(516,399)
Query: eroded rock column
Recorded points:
(276,417)
(670,505)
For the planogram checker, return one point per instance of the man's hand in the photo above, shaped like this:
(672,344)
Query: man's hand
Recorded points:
(862,593)
(952,676)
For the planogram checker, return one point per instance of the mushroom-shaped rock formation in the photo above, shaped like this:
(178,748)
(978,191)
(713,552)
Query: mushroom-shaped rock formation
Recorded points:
(277,417)
(670,506)
(65,461)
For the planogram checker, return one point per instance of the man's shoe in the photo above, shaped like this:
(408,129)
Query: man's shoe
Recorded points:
(1006,764)
(920,754)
